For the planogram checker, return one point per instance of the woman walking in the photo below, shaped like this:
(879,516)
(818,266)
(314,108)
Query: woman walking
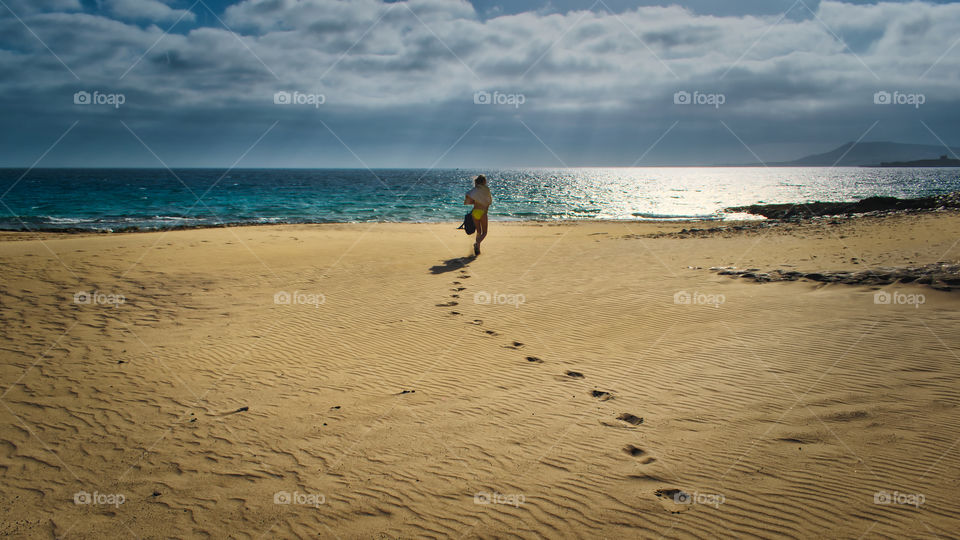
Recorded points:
(481,199)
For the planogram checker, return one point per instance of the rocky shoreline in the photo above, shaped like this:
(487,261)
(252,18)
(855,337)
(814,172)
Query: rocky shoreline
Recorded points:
(941,275)
(864,206)
(790,217)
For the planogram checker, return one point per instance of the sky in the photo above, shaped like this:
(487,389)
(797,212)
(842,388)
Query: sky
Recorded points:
(452,83)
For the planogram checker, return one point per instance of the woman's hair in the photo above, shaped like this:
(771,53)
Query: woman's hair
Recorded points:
(480,179)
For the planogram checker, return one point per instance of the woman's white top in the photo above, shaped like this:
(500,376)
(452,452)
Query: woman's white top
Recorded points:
(481,195)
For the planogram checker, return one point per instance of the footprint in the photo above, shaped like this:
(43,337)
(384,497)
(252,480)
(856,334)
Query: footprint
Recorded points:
(515,345)
(601,395)
(448,304)
(461,289)
(675,500)
(455,313)
(630,419)
(534,360)
(671,493)
(454,296)
(491,332)
(456,283)
(477,322)
(634,451)
(575,374)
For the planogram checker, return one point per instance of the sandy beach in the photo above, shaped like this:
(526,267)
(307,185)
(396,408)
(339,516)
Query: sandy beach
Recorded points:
(590,379)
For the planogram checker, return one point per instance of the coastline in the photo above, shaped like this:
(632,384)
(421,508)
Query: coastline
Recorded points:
(771,213)
(125,201)
(137,230)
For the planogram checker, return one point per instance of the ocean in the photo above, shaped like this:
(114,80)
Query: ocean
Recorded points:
(144,199)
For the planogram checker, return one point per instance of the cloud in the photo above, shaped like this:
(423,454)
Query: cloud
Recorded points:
(27,7)
(589,79)
(149,10)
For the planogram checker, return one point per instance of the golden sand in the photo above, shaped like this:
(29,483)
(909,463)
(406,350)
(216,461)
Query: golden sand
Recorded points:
(363,381)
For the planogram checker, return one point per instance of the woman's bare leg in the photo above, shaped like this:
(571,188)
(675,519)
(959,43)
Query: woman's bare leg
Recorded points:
(481,229)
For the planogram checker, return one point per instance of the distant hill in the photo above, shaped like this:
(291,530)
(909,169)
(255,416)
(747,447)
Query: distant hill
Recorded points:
(944,161)
(868,154)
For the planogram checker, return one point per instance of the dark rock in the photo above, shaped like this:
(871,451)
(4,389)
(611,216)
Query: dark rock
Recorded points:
(870,204)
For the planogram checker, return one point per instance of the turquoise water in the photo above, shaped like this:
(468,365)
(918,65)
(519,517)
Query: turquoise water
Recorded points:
(118,199)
